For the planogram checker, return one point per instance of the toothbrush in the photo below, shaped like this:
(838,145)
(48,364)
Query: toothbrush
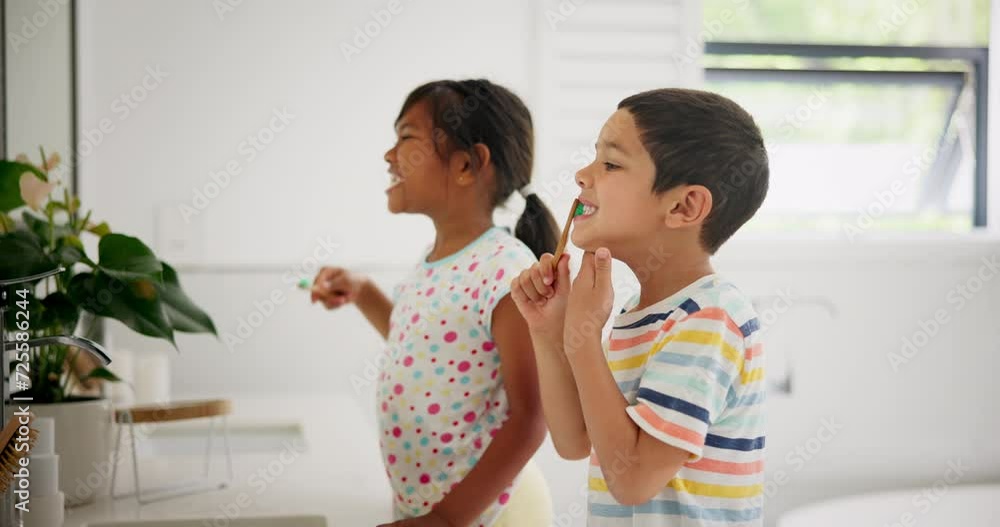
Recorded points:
(575,210)
(305,284)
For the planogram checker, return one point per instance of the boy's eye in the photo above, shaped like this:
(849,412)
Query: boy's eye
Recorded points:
(610,166)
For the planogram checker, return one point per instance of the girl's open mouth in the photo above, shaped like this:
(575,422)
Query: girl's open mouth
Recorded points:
(394,181)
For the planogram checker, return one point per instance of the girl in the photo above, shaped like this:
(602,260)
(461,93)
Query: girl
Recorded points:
(458,403)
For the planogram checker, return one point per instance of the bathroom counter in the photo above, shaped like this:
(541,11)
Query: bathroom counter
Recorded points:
(334,472)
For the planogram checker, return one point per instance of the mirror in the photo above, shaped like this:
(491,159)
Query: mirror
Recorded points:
(39,78)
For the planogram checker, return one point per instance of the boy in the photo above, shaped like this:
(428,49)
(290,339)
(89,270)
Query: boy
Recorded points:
(671,410)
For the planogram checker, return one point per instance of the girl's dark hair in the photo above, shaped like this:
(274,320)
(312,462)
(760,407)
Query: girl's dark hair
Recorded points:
(469,112)
(702,138)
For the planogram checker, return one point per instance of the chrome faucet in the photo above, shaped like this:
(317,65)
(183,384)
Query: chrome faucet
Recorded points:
(8,513)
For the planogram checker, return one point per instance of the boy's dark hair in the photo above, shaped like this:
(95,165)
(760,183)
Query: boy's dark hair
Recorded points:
(474,111)
(702,138)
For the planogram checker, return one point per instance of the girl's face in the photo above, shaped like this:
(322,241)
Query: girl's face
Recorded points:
(419,177)
(621,211)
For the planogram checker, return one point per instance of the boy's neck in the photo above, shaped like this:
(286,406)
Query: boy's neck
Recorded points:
(661,274)
(452,235)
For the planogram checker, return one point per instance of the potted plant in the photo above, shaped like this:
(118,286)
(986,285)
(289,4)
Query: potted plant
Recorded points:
(126,282)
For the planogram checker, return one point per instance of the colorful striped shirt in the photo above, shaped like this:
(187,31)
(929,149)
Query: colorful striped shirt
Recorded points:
(692,371)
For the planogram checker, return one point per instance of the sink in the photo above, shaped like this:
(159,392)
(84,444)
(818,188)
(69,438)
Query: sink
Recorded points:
(256,521)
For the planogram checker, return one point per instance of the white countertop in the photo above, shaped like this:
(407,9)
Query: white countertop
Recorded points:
(339,475)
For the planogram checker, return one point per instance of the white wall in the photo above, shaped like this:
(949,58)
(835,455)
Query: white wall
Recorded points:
(226,76)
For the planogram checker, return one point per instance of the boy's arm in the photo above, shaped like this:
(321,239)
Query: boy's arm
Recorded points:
(635,465)
(519,436)
(561,401)
(540,294)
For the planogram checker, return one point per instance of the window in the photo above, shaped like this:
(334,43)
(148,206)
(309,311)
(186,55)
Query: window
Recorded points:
(874,112)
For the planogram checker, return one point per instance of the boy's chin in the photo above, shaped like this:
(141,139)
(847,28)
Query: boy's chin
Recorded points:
(587,243)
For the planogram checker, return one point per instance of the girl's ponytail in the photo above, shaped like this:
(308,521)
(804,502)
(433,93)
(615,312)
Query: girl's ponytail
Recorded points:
(536,227)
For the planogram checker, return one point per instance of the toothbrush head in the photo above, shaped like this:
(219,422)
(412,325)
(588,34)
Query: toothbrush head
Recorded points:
(579,209)
(304,283)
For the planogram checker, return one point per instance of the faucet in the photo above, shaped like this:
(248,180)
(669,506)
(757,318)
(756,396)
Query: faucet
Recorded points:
(8,513)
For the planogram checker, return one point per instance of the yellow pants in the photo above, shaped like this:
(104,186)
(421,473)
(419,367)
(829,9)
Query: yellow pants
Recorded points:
(530,504)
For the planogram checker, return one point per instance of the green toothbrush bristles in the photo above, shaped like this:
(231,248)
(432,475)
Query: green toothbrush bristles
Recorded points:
(304,284)
(579,209)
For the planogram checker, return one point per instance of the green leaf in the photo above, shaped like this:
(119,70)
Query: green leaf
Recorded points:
(184,315)
(127,258)
(59,310)
(10,183)
(101,373)
(100,230)
(69,251)
(21,254)
(135,303)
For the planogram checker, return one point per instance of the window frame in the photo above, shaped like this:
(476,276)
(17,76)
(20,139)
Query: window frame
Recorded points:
(977,57)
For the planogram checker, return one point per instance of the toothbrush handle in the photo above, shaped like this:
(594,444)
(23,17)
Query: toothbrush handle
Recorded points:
(565,235)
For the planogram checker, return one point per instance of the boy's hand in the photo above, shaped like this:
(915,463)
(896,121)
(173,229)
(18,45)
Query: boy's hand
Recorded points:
(336,286)
(589,304)
(540,295)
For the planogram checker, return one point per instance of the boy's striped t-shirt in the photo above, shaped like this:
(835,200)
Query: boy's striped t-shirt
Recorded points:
(692,371)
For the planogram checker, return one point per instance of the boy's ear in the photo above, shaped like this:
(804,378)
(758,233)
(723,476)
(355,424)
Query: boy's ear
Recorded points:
(687,205)
(466,166)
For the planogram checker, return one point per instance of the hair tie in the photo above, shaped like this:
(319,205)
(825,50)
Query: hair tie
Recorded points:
(526,191)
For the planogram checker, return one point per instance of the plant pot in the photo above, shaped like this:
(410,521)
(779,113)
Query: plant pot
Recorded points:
(83,441)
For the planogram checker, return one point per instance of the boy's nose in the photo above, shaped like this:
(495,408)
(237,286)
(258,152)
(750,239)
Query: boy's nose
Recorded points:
(582,178)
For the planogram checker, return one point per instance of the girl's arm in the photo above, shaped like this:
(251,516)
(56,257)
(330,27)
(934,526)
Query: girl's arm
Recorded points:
(519,436)
(336,286)
(375,306)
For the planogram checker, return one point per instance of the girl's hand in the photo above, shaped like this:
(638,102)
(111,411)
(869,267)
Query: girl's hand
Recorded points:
(541,294)
(589,305)
(336,286)
(431,519)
